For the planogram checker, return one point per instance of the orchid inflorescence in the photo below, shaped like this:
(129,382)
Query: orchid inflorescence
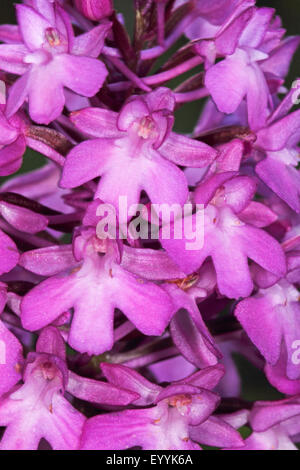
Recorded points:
(111,338)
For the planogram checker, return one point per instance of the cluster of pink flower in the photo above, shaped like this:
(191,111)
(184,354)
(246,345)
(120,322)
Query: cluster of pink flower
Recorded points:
(111,328)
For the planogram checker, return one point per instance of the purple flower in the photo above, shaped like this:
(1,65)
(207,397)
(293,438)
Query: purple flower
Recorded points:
(179,418)
(227,239)
(9,255)
(274,146)
(40,185)
(279,142)
(12,141)
(213,15)
(188,330)
(49,60)
(38,409)
(134,150)
(94,9)
(121,318)
(98,282)
(21,218)
(271,319)
(10,352)
(251,56)
(275,424)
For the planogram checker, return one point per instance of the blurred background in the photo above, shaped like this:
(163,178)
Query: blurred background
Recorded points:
(255,385)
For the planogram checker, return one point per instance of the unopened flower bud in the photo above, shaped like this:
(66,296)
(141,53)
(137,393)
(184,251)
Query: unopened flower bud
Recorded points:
(94,9)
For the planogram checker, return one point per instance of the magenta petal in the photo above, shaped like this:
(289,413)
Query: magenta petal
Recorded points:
(277,136)
(291,332)
(28,422)
(207,378)
(161,99)
(3,296)
(158,172)
(92,333)
(51,342)
(171,369)
(272,439)
(96,122)
(236,419)
(63,432)
(146,428)
(95,391)
(32,26)
(93,10)
(136,295)
(44,8)
(132,111)
(91,77)
(229,242)
(188,260)
(11,58)
(193,342)
(238,192)
(275,328)
(121,430)
(122,376)
(39,184)
(283,179)
(18,438)
(259,318)
(263,278)
(17,94)
(230,156)
(227,41)
(86,155)
(9,255)
(219,79)
(91,43)
(279,60)
(258,214)
(217,433)
(9,33)
(128,181)
(206,190)
(11,156)
(277,377)
(257,27)
(63,23)
(11,359)
(267,414)
(8,133)
(202,405)
(187,152)
(263,249)
(257,97)
(45,93)
(48,261)
(46,301)
(150,264)
(232,281)
(23,219)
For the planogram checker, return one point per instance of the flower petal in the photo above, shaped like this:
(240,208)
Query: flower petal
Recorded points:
(219,79)
(187,152)
(96,122)
(91,155)
(32,26)
(92,73)
(9,255)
